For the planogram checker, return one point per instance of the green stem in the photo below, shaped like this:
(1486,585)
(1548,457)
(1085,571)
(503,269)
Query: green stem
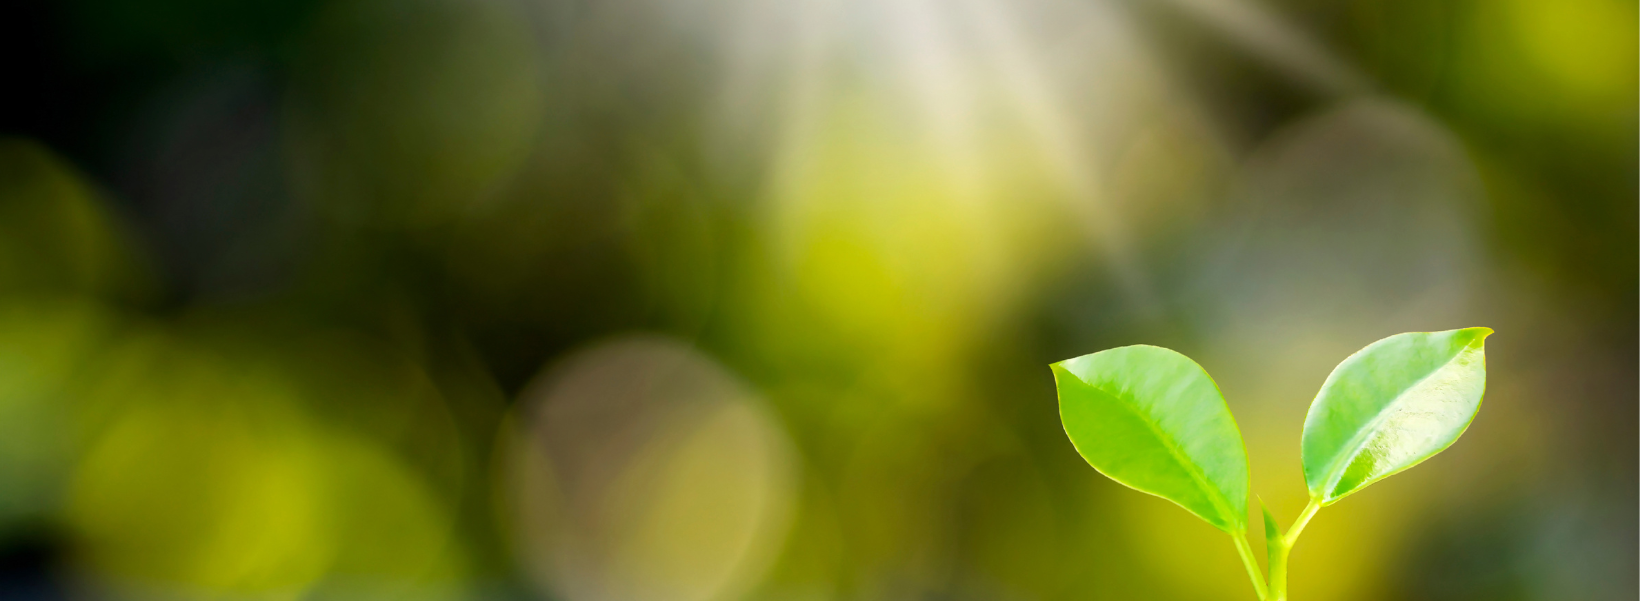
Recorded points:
(1246,552)
(1284,548)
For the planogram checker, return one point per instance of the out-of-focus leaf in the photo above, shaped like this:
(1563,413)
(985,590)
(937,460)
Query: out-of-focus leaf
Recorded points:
(56,235)
(1152,419)
(49,342)
(1390,406)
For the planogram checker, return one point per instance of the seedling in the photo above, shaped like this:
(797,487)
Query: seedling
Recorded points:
(1152,419)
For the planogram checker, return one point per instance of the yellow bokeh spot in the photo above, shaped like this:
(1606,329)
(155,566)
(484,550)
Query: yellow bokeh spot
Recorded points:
(1587,46)
(209,474)
(220,498)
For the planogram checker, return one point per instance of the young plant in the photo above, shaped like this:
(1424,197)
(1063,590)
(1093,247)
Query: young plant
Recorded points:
(1152,419)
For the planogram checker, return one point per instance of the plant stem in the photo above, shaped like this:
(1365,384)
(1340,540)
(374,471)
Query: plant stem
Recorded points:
(1284,547)
(1246,552)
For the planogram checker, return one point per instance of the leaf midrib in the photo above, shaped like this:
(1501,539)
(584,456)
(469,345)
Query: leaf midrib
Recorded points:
(1196,475)
(1335,472)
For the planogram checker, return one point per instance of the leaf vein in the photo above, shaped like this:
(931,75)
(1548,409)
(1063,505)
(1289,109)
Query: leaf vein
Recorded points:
(1196,475)
(1358,443)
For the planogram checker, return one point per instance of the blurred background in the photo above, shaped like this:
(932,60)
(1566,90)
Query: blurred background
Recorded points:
(724,300)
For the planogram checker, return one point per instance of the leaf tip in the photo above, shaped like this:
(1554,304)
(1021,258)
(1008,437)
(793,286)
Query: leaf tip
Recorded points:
(1476,335)
(1271,529)
(1058,367)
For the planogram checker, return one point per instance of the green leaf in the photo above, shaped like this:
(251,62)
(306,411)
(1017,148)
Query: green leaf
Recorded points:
(1152,419)
(1390,406)
(1272,534)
